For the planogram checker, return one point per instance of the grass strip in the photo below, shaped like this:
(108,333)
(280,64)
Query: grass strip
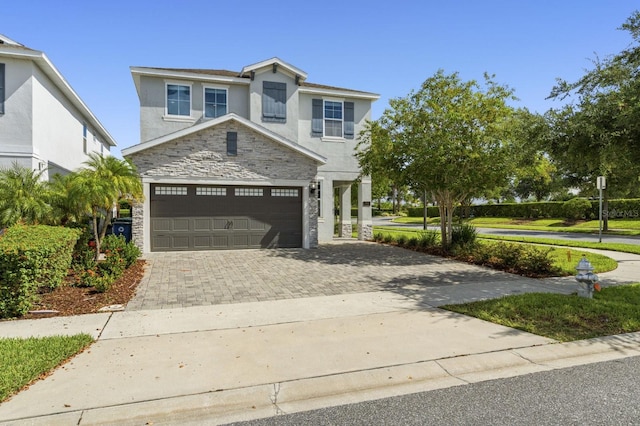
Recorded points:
(625,248)
(614,310)
(24,360)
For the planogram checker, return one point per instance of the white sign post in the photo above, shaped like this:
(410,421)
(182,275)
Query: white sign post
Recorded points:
(600,184)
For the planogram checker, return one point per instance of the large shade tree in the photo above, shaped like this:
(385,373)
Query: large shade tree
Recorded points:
(450,138)
(598,133)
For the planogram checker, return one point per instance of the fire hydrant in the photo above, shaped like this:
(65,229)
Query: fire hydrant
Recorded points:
(587,280)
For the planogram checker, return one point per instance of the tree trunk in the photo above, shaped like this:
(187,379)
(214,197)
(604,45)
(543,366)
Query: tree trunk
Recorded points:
(424,212)
(96,236)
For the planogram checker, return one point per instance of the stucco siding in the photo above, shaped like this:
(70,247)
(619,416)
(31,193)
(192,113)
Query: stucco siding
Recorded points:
(339,153)
(288,129)
(154,121)
(16,122)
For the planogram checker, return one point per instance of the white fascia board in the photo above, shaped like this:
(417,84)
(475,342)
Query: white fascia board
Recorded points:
(153,72)
(339,93)
(40,59)
(211,123)
(269,62)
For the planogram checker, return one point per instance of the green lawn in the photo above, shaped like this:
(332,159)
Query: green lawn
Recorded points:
(24,360)
(564,258)
(616,226)
(614,310)
(625,248)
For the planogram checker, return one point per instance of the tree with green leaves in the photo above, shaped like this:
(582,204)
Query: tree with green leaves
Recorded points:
(450,138)
(598,134)
(23,196)
(99,187)
(378,159)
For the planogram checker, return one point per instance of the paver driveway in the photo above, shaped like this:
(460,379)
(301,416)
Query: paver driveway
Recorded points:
(183,279)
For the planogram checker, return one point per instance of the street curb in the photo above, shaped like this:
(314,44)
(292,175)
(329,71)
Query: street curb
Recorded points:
(267,400)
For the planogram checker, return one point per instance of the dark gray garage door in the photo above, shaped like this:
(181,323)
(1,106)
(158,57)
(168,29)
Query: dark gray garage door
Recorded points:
(201,217)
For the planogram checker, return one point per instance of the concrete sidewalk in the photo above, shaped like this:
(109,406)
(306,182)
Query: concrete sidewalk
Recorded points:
(227,362)
(216,364)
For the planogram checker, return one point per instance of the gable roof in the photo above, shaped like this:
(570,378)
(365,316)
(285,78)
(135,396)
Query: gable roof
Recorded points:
(277,62)
(223,119)
(12,49)
(244,77)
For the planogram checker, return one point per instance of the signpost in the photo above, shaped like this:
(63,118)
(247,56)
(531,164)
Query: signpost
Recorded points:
(601,184)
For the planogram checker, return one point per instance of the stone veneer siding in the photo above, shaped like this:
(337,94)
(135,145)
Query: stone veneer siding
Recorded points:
(204,155)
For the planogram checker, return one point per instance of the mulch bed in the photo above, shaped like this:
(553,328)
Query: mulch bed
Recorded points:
(72,300)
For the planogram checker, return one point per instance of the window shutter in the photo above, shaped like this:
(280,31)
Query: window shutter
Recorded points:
(274,101)
(349,126)
(316,117)
(232,143)
(1,88)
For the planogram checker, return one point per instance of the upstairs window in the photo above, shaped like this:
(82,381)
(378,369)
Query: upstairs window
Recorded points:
(178,100)
(274,101)
(215,102)
(332,119)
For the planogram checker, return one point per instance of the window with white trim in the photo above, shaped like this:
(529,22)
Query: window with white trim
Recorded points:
(178,99)
(333,119)
(170,190)
(215,102)
(282,192)
(209,190)
(249,192)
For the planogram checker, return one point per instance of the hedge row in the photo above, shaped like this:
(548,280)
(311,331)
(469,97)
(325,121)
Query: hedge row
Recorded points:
(626,208)
(32,257)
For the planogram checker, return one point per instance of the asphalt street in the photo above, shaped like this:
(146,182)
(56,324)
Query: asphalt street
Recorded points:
(571,236)
(604,393)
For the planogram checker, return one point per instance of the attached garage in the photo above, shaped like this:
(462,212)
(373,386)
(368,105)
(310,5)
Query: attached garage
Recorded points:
(227,183)
(209,217)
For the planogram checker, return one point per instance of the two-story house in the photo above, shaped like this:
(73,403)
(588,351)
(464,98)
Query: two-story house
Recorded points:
(44,125)
(246,159)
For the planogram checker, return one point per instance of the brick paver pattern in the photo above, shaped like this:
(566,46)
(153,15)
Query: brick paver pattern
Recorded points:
(184,279)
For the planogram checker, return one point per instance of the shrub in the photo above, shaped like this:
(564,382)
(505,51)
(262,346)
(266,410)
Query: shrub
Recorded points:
(428,238)
(84,256)
(576,208)
(378,236)
(412,242)
(32,257)
(388,238)
(464,235)
(517,258)
(401,240)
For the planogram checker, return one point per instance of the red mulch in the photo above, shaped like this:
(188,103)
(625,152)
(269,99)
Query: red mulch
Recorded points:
(71,300)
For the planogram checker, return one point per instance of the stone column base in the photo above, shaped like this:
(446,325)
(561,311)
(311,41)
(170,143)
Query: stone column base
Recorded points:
(365,232)
(346,230)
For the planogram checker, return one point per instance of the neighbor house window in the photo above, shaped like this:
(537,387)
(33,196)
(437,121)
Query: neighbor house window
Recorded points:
(178,100)
(332,119)
(2,90)
(85,148)
(215,102)
(274,101)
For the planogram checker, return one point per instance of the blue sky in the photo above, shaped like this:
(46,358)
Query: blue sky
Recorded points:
(386,47)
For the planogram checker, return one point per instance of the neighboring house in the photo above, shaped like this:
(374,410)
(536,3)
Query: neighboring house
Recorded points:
(246,159)
(44,125)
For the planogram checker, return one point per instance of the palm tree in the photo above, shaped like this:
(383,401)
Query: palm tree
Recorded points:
(66,208)
(23,196)
(100,186)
